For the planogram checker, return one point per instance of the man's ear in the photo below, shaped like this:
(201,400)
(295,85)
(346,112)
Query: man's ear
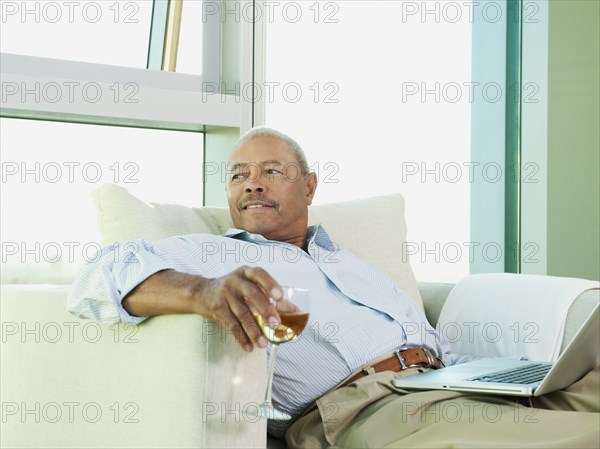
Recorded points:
(311,187)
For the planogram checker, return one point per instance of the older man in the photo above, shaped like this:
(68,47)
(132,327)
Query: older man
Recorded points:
(357,320)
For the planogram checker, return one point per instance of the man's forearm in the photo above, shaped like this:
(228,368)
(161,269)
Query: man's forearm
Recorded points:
(165,292)
(231,299)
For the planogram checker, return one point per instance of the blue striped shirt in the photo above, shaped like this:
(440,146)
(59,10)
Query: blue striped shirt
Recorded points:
(357,314)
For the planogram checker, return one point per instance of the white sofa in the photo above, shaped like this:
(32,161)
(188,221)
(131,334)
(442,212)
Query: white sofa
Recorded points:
(173,381)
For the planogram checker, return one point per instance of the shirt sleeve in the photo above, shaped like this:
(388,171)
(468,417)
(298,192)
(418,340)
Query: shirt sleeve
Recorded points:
(117,269)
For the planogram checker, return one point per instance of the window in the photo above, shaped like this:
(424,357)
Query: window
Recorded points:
(112,32)
(69,67)
(379,95)
(50,169)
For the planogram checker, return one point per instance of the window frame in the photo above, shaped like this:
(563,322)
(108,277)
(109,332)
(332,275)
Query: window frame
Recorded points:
(149,98)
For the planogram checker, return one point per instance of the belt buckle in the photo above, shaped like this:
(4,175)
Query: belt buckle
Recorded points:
(428,354)
(400,359)
(430,358)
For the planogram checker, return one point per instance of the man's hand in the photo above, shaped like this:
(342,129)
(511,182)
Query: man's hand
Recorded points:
(231,298)
(227,299)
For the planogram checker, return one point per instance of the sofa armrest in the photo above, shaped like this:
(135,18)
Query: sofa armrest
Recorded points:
(435,294)
(173,381)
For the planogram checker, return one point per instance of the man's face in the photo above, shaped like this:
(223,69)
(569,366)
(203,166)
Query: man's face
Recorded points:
(267,192)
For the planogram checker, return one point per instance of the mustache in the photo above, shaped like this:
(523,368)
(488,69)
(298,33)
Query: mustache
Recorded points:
(257,197)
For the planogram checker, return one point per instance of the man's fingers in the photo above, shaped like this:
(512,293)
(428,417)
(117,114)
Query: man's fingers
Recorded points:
(258,291)
(264,280)
(246,331)
(234,326)
(234,298)
(248,323)
(239,314)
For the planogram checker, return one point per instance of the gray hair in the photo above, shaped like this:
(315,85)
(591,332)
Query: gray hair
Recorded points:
(263,131)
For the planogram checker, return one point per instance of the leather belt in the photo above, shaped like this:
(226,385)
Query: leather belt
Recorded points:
(397,361)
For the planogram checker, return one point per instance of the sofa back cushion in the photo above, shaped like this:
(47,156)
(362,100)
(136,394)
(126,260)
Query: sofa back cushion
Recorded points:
(371,228)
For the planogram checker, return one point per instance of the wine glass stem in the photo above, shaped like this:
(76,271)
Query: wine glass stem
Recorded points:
(271,370)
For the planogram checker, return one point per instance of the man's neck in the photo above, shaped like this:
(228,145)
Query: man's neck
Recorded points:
(300,241)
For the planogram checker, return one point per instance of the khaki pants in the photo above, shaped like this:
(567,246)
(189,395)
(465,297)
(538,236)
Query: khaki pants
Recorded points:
(372,413)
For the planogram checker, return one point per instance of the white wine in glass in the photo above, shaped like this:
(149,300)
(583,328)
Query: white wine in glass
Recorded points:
(291,326)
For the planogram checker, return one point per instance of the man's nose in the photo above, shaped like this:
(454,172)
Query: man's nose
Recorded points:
(254,184)
(253,187)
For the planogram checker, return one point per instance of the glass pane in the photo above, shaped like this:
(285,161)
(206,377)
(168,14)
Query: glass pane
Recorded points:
(379,96)
(189,54)
(112,32)
(50,169)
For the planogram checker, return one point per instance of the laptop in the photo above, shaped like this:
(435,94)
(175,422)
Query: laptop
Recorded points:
(517,377)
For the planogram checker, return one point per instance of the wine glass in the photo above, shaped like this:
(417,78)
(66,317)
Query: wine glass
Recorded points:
(293,320)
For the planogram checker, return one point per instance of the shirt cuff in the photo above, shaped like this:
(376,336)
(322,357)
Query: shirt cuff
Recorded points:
(127,274)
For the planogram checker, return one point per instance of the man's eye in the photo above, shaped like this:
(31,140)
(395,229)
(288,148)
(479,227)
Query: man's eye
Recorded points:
(238,176)
(272,171)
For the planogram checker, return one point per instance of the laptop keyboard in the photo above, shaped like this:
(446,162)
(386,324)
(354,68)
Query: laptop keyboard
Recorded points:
(519,375)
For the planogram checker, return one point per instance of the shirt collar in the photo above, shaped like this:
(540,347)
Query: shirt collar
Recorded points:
(234,232)
(315,234)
